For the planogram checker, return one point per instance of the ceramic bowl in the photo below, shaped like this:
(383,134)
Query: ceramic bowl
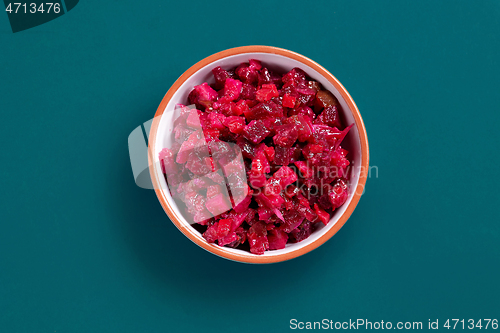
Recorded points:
(280,60)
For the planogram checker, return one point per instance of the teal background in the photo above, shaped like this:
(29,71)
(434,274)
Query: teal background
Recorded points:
(82,249)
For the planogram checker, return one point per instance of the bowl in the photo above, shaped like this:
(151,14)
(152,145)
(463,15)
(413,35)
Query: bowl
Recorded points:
(280,60)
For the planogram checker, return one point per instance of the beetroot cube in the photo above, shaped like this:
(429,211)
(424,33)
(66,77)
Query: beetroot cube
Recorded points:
(305,170)
(257,238)
(241,108)
(303,110)
(220,76)
(264,213)
(285,176)
(215,120)
(255,64)
(263,110)
(282,155)
(338,194)
(248,91)
(329,116)
(301,233)
(322,215)
(203,96)
(256,179)
(294,77)
(289,101)
(247,74)
(256,131)
(277,239)
(303,124)
(218,204)
(235,124)
(232,90)
(211,234)
(266,92)
(213,190)
(292,220)
(167,161)
(286,135)
(224,227)
(193,120)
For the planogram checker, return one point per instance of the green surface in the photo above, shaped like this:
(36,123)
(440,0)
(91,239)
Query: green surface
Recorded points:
(82,249)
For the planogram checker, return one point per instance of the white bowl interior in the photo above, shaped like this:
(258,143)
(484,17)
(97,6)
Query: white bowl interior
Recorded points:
(280,64)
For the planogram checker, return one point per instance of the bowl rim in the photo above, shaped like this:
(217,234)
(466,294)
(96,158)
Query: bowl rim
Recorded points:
(190,232)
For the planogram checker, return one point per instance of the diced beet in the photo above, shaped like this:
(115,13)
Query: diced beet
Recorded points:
(339,161)
(167,162)
(216,177)
(307,212)
(264,213)
(292,220)
(257,238)
(285,176)
(241,235)
(291,191)
(242,206)
(224,227)
(294,77)
(303,125)
(220,76)
(202,217)
(264,110)
(213,190)
(247,148)
(248,91)
(211,234)
(255,64)
(218,204)
(260,163)
(301,233)
(216,120)
(270,201)
(273,187)
(247,74)
(277,239)
(237,219)
(241,107)
(251,215)
(256,131)
(314,85)
(235,124)
(266,92)
(228,239)
(282,155)
(338,194)
(289,101)
(199,165)
(302,110)
(329,116)
(182,133)
(203,96)
(229,108)
(305,170)
(322,215)
(187,147)
(232,90)
(286,135)
(269,152)
(193,120)
(264,77)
